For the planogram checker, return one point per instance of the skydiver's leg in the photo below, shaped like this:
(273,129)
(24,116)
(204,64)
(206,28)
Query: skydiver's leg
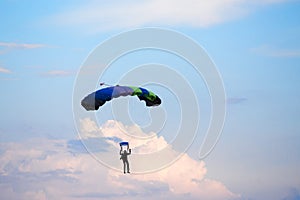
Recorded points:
(127,166)
(124,166)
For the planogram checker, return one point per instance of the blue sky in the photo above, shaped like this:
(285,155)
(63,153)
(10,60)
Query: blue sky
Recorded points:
(255,46)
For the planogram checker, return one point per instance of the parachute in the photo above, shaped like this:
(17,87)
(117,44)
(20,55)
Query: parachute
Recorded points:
(96,99)
(124,144)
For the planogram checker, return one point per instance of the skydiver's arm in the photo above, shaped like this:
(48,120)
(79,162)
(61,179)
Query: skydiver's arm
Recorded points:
(129,152)
(121,152)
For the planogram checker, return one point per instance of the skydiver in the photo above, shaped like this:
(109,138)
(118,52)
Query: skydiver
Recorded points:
(125,160)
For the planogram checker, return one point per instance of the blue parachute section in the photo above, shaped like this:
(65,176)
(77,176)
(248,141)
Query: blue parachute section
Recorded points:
(124,144)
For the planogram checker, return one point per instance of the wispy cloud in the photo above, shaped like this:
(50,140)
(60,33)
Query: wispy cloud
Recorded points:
(4,70)
(57,73)
(6,47)
(267,50)
(21,45)
(236,100)
(99,16)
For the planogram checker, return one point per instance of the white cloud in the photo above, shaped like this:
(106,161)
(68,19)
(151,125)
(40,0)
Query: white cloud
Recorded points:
(4,70)
(116,129)
(49,169)
(271,51)
(236,100)
(186,176)
(98,15)
(89,129)
(20,45)
(6,47)
(58,73)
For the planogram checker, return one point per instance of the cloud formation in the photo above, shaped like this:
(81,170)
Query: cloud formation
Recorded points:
(114,129)
(267,50)
(6,47)
(236,100)
(4,70)
(99,15)
(50,169)
(56,73)
(20,45)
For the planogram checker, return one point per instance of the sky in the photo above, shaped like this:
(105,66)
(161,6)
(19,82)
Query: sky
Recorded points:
(50,148)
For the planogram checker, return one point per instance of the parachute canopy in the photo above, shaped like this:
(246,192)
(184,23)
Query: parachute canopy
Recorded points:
(124,144)
(96,99)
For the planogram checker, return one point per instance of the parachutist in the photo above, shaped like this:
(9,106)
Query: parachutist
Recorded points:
(125,159)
